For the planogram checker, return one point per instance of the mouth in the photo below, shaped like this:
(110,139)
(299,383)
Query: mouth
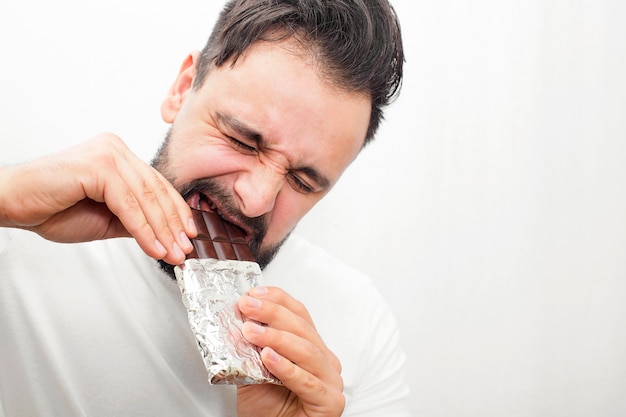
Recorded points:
(202,202)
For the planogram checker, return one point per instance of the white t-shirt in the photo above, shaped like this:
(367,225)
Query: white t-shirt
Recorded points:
(97,329)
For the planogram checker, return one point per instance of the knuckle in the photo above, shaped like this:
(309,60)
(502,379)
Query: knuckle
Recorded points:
(140,229)
(312,384)
(173,217)
(340,400)
(109,139)
(130,202)
(147,192)
(107,143)
(335,362)
(300,308)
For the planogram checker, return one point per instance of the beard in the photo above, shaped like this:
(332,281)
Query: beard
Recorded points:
(210,187)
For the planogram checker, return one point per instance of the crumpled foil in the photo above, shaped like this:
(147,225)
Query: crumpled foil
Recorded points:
(210,290)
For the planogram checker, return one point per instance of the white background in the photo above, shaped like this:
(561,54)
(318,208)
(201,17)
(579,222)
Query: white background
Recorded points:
(490,211)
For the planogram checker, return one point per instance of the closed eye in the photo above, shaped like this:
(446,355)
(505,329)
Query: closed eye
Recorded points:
(242,146)
(298,184)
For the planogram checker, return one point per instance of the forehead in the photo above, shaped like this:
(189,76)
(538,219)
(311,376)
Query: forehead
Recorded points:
(277,89)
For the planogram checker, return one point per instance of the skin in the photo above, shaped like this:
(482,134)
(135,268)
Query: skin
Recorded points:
(311,131)
(274,92)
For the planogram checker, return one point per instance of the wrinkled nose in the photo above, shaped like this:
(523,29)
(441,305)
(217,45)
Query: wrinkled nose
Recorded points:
(257,190)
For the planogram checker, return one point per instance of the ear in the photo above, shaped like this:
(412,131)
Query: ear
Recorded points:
(177,93)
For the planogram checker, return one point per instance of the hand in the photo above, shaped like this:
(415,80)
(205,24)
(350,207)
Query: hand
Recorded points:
(97,190)
(294,352)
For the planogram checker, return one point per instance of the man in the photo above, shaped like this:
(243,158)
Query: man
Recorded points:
(263,123)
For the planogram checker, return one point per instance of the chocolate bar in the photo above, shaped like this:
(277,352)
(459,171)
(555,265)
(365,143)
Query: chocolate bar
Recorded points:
(216,274)
(218,239)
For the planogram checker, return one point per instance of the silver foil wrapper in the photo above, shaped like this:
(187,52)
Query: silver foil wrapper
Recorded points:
(210,290)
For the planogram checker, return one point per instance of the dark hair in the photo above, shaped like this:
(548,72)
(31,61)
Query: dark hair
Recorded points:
(357,42)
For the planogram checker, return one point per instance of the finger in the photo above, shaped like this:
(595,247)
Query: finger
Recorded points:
(279,317)
(115,182)
(290,316)
(313,392)
(280,297)
(184,211)
(298,350)
(168,213)
(156,207)
(128,210)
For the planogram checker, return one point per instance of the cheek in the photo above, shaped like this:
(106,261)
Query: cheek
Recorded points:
(289,208)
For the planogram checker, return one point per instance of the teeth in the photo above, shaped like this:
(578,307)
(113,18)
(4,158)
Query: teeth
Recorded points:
(205,203)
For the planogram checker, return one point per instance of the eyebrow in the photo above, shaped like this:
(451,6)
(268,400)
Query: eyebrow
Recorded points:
(240,128)
(249,133)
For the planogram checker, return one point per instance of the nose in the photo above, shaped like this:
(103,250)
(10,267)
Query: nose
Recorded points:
(256,190)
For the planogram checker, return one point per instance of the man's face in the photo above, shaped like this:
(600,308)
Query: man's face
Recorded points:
(261,141)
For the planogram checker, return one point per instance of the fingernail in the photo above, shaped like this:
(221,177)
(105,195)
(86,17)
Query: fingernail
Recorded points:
(160,248)
(176,251)
(271,354)
(259,290)
(252,302)
(256,328)
(184,240)
(191,225)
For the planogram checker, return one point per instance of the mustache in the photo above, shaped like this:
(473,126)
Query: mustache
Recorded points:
(209,187)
